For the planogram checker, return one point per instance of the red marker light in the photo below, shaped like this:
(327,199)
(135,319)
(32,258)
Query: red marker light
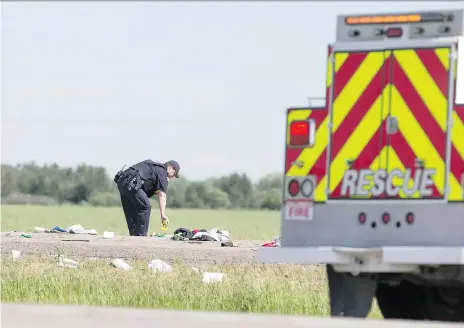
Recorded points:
(410,218)
(386,217)
(362,217)
(299,133)
(293,188)
(394,32)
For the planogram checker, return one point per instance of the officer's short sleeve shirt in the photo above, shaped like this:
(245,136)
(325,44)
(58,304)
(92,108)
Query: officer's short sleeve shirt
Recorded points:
(157,176)
(161,181)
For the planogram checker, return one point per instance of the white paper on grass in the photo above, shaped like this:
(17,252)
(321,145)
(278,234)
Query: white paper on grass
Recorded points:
(212,277)
(67,263)
(15,254)
(120,264)
(159,266)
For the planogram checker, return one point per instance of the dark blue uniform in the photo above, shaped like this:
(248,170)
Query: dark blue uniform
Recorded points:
(136,185)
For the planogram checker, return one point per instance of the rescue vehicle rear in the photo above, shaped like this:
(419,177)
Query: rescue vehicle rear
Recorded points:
(374,180)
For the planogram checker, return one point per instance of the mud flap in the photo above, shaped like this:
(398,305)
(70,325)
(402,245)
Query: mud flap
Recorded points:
(350,296)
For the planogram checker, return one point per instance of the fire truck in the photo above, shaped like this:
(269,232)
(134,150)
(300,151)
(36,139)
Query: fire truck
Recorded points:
(374,178)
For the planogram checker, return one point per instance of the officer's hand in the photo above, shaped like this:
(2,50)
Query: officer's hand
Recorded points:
(164,220)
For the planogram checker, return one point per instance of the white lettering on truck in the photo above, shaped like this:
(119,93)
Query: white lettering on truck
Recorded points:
(364,182)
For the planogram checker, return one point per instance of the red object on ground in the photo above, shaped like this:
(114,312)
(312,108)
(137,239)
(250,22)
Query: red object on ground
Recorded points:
(270,244)
(195,230)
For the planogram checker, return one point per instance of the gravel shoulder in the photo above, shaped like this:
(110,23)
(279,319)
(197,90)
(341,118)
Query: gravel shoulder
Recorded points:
(140,248)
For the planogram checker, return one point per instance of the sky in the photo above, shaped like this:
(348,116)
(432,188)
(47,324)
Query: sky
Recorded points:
(206,84)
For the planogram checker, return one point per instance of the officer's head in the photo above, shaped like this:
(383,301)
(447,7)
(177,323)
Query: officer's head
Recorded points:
(173,168)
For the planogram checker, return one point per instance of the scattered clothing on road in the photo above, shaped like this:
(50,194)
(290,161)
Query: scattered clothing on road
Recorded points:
(183,234)
(274,243)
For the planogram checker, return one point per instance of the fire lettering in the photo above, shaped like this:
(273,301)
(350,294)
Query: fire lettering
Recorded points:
(365,182)
(298,211)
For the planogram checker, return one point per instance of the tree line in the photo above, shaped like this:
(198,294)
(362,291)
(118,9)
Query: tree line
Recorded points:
(29,183)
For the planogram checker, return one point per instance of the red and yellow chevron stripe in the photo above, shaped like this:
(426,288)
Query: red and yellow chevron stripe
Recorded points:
(411,85)
(313,162)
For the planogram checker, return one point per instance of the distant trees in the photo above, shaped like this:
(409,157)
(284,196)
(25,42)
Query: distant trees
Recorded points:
(50,184)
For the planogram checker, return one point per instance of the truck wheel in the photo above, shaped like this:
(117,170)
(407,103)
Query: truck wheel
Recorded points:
(403,301)
(445,304)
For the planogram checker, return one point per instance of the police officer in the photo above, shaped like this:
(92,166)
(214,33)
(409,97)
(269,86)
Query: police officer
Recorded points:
(137,184)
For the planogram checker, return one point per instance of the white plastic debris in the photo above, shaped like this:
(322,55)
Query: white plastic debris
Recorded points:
(159,266)
(39,229)
(67,263)
(78,229)
(15,255)
(120,264)
(108,234)
(212,277)
(196,270)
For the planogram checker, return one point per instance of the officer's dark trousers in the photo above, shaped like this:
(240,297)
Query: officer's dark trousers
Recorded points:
(137,209)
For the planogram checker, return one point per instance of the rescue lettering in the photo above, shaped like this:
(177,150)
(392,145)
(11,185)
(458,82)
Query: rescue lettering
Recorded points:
(376,183)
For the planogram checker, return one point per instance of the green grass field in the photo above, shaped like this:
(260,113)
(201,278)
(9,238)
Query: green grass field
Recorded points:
(298,290)
(260,225)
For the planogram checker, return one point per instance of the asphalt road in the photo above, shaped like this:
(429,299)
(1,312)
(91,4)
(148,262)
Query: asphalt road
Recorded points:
(49,316)
(142,248)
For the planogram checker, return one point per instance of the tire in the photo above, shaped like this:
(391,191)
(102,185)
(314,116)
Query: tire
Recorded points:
(404,301)
(445,304)
(416,302)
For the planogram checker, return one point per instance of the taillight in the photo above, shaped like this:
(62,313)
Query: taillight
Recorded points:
(410,217)
(302,133)
(386,217)
(362,217)
(293,188)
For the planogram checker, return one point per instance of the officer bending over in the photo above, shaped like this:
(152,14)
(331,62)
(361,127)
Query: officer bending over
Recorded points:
(137,184)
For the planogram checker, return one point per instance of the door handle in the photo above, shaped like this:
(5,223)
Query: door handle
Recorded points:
(392,125)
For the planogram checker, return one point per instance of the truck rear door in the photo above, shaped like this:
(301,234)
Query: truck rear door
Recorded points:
(389,125)
(358,137)
(418,123)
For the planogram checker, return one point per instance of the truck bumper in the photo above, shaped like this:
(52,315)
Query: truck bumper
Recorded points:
(356,260)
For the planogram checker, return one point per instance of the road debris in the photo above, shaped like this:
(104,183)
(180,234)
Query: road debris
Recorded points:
(159,266)
(74,229)
(228,243)
(15,255)
(120,264)
(183,234)
(108,234)
(40,230)
(276,242)
(197,270)
(212,277)
(159,235)
(66,263)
